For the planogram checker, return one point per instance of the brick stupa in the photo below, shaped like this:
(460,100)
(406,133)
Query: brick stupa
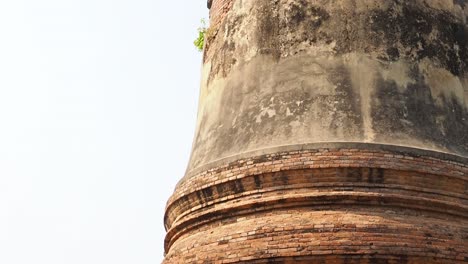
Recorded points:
(329,131)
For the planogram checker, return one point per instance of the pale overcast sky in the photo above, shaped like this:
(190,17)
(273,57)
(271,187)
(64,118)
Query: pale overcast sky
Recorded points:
(97,113)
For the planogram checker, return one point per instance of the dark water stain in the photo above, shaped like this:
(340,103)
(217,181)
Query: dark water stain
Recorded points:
(415,112)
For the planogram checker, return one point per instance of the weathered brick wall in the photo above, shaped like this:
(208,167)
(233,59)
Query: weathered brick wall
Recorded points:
(347,235)
(255,193)
(334,205)
(219,10)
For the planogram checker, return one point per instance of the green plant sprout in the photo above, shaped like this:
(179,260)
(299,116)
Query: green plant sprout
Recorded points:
(200,40)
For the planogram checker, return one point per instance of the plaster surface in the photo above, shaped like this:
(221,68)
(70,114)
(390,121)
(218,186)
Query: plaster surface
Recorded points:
(289,72)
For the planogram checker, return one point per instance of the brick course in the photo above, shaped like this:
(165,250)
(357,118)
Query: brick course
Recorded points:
(334,205)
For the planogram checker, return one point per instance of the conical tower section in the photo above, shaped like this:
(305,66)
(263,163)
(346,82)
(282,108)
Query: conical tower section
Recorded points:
(329,131)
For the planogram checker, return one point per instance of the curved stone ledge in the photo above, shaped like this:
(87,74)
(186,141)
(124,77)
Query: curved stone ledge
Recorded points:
(331,146)
(400,159)
(326,179)
(311,190)
(313,201)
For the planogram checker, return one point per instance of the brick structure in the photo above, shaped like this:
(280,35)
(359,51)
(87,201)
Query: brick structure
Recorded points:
(329,131)
(218,10)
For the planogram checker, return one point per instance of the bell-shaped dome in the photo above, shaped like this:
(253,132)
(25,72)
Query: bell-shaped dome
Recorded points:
(328,130)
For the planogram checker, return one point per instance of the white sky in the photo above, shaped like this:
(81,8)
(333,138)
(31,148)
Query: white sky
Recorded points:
(97,113)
